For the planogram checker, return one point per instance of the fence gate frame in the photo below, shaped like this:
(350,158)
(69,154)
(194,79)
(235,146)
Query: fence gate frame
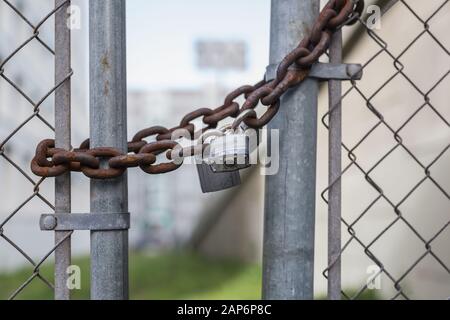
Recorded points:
(289,218)
(290,198)
(63,72)
(108,127)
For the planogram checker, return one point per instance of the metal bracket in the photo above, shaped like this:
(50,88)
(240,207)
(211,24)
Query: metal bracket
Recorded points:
(85,221)
(325,71)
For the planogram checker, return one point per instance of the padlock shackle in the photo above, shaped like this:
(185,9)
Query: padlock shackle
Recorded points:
(211,133)
(249,113)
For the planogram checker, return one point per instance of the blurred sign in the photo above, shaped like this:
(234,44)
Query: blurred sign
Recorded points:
(221,55)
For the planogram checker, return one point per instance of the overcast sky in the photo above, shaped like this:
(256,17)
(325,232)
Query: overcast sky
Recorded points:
(162,34)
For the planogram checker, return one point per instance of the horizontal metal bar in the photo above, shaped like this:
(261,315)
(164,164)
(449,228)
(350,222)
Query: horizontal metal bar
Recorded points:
(325,71)
(84,221)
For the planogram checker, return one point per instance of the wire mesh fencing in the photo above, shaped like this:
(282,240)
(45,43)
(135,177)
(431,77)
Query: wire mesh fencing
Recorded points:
(395,149)
(27,86)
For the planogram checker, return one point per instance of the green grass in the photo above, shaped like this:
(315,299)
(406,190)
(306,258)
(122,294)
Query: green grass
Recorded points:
(171,276)
(186,276)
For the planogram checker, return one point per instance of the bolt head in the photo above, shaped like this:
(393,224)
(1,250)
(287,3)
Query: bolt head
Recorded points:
(49,223)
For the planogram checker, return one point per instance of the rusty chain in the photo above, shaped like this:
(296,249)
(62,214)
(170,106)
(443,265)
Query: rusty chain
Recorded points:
(293,69)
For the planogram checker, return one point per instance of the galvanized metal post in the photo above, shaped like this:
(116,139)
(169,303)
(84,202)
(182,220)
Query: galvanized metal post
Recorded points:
(62,134)
(109,249)
(288,258)
(335,168)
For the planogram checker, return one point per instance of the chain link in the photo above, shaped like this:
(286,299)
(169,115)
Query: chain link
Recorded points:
(292,71)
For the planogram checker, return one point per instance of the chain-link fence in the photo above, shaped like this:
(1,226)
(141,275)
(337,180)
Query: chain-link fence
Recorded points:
(395,215)
(28,86)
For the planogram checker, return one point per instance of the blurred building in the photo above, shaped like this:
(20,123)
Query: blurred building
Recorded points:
(167,208)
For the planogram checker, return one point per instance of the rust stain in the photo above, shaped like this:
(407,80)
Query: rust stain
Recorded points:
(106,88)
(105,62)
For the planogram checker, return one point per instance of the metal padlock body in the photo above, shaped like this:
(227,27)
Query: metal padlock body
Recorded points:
(230,152)
(211,181)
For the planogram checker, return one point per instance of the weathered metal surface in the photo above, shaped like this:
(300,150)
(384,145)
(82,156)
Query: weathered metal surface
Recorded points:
(289,220)
(86,222)
(325,71)
(108,107)
(63,141)
(335,169)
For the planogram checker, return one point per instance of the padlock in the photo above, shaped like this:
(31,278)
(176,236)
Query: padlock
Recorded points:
(211,181)
(229,152)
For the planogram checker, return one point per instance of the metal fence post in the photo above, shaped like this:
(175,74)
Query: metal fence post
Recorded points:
(288,258)
(62,134)
(335,169)
(109,249)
